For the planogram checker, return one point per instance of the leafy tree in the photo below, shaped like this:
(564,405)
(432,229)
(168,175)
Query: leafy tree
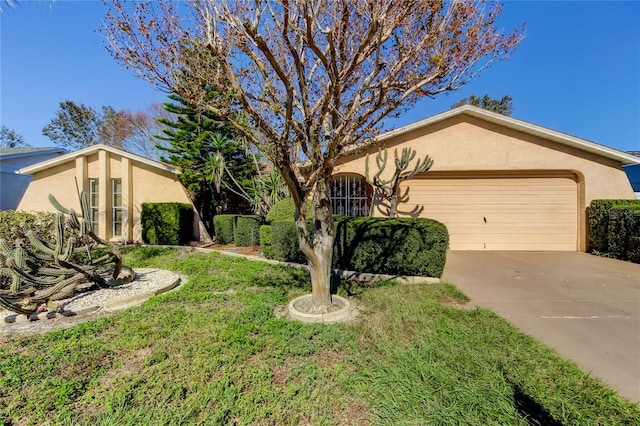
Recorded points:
(77,126)
(9,138)
(501,106)
(316,78)
(198,143)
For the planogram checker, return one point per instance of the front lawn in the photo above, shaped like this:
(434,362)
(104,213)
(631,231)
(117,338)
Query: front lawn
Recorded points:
(217,352)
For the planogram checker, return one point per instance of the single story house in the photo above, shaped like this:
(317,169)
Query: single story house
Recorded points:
(497,183)
(12,184)
(116,182)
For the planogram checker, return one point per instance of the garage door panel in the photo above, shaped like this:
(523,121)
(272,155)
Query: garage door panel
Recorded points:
(503,217)
(512,228)
(501,213)
(518,246)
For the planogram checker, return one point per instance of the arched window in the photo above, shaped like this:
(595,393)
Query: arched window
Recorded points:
(350,195)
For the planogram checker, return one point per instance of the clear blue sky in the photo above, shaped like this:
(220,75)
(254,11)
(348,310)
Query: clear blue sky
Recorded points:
(577,71)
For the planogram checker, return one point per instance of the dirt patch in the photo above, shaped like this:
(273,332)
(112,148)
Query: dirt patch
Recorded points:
(232,248)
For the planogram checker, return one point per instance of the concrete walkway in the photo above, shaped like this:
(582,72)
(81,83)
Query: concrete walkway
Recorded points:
(585,307)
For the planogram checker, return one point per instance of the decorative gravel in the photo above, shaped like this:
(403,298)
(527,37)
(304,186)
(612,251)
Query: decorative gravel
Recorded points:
(148,283)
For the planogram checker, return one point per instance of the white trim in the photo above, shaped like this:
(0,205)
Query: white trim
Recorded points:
(91,150)
(515,124)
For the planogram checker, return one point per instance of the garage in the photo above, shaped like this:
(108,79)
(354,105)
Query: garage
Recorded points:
(497,183)
(501,211)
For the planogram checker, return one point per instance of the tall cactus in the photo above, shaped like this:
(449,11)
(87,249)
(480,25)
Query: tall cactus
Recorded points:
(42,272)
(388,189)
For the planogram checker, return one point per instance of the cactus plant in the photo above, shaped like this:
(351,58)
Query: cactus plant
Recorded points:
(34,271)
(387,189)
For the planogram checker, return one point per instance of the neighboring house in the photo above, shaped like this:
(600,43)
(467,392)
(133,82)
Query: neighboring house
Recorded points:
(13,185)
(497,183)
(116,182)
(633,173)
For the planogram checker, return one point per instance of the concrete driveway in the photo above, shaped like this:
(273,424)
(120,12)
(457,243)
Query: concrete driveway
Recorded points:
(585,307)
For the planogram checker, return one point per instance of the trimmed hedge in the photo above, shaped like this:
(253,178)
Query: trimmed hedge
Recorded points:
(599,222)
(285,209)
(623,233)
(401,246)
(167,223)
(266,244)
(404,246)
(224,225)
(284,242)
(247,230)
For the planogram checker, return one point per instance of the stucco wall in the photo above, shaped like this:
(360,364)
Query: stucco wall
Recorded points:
(58,181)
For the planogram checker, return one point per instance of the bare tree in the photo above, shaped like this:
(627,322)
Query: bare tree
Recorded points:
(314,77)
(144,125)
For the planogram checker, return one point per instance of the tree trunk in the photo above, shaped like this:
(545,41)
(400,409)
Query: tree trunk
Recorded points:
(319,247)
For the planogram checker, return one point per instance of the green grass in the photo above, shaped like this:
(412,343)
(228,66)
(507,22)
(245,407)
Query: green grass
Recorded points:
(214,352)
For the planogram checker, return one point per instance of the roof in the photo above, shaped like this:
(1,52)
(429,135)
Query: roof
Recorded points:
(91,150)
(515,124)
(26,151)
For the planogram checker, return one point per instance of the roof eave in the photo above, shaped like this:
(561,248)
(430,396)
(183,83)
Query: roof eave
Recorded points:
(29,170)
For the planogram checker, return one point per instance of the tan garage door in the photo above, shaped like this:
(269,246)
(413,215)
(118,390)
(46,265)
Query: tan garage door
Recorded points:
(501,212)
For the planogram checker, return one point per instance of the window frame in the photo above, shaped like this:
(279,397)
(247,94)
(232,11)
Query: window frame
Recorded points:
(94,203)
(116,207)
(351,190)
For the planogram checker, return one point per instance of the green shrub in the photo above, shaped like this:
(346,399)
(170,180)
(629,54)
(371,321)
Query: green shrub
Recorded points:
(378,245)
(285,210)
(599,222)
(247,230)
(284,242)
(167,223)
(224,225)
(404,246)
(42,224)
(266,241)
(623,231)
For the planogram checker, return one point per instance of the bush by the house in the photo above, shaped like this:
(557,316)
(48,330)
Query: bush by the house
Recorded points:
(42,224)
(266,243)
(611,228)
(284,210)
(284,241)
(247,230)
(224,225)
(401,246)
(167,223)
(623,232)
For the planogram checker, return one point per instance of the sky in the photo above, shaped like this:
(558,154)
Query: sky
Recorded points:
(577,71)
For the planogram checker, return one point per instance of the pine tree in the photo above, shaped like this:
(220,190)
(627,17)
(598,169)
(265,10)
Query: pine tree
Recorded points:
(196,139)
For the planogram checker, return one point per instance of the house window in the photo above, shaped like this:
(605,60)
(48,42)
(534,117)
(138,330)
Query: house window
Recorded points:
(350,195)
(94,204)
(116,207)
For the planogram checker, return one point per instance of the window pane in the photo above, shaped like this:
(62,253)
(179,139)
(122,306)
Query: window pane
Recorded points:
(117,229)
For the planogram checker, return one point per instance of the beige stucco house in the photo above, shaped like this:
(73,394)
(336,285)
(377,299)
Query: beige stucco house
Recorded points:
(116,183)
(497,183)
